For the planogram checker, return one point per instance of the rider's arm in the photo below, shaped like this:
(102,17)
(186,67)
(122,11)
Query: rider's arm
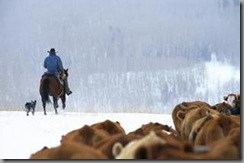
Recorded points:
(45,63)
(60,64)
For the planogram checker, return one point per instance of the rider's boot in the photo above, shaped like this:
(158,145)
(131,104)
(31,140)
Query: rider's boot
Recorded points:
(66,87)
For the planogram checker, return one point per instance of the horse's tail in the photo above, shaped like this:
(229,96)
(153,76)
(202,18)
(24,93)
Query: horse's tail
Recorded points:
(45,91)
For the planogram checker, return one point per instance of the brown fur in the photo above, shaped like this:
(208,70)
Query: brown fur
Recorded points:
(159,151)
(228,147)
(225,148)
(181,109)
(69,150)
(85,135)
(152,151)
(221,106)
(128,152)
(145,129)
(193,116)
(110,127)
(91,135)
(106,145)
(215,129)
(171,150)
(238,102)
(236,119)
(198,124)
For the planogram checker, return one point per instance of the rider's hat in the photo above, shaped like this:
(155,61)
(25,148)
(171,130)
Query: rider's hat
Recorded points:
(52,50)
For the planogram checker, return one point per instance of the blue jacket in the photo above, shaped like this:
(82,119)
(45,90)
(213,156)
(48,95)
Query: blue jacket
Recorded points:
(53,64)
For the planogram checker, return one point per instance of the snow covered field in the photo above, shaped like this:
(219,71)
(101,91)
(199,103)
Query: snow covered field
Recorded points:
(23,135)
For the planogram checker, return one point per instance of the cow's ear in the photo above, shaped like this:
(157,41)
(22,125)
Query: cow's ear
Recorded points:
(142,153)
(180,115)
(238,97)
(117,148)
(44,148)
(207,112)
(225,98)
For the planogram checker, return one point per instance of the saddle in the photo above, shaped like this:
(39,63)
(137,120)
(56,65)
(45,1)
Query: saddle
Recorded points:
(51,75)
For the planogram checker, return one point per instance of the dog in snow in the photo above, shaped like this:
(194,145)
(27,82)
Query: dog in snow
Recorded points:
(30,106)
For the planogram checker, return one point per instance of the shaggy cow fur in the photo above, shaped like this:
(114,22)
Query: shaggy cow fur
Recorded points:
(215,129)
(228,147)
(85,135)
(223,108)
(110,127)
(147,128)
(69,150)
(198,124)
(193,116)
(181,109)
(91,135)
(106,145)
(128,152)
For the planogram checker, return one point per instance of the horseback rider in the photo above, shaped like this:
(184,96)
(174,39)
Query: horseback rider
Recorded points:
(54,66)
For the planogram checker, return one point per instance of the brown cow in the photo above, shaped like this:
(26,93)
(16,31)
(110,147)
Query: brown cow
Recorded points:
(230,105)
(171,148)
(181,109)
(110,127)
(198,124)
(228,147)
(170,151)
(234,100)
(145,129)
(225,148)
(91,135)
(128,152)
(69,150)
(106,145)
(85,135)
(223,107)
(192,116)
(215,129)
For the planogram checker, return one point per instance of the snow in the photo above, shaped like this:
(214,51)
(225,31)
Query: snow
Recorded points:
(23,135)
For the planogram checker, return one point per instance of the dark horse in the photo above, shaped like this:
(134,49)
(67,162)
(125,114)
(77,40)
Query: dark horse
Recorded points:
(50,85)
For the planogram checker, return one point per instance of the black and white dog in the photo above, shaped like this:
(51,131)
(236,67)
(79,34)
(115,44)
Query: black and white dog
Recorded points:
(30,106)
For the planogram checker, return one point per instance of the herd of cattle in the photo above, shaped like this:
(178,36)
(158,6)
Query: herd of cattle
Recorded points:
(201,131)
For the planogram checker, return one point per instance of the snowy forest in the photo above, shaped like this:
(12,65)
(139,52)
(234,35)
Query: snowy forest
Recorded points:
(140,56)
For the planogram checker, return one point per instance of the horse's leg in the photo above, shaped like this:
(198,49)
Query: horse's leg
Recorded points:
(55,104)
(44,106)
(63,101)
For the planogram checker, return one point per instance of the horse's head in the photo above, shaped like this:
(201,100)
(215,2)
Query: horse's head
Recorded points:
(64,74)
